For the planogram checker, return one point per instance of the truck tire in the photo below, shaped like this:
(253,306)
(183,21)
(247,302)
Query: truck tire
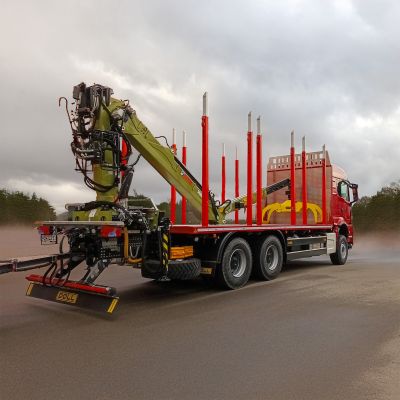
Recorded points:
(342,251)
(183,270)
(235,268)
(152,269)
(268,259)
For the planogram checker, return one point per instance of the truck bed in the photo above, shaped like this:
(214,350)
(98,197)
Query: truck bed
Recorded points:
(211,229)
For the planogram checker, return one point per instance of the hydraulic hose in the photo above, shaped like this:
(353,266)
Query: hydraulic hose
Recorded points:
(129,259)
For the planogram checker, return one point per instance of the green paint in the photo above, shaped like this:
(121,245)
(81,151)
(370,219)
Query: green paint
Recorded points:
(101,174)
(98,216)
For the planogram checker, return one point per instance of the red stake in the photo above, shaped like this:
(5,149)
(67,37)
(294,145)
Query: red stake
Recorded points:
(223,173)
(184,148)
(304,180)
(292,182)
(236,185)
(249,215)
(173,190)
(259,172)
(324,216)
(204,169)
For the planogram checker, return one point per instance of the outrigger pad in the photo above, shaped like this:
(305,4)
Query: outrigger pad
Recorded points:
(95,302)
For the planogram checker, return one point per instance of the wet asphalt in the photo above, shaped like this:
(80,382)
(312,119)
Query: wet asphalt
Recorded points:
(317,332)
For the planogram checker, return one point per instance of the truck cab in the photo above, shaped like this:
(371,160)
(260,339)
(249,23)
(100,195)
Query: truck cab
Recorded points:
(343,195)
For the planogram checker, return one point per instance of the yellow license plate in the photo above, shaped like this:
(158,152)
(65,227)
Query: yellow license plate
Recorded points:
(67,297)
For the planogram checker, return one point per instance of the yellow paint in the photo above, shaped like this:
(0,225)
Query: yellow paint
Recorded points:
(112,306)
(206,271)
(178,252)
(29,290)
(67,297)
(285,208)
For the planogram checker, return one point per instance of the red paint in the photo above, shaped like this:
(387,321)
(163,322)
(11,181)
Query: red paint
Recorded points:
(45,230)
(292,187)
(184,198)
(173,195)
(336,210)
(341,214)
(249,210)
(69,284)
(259,179)
(323,188)
(304,184)
(110,231)
(204,169)
(236,188)
(223,173)
(218,229)
(124,156)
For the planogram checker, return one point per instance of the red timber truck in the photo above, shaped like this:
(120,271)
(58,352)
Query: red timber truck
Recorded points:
(304,211)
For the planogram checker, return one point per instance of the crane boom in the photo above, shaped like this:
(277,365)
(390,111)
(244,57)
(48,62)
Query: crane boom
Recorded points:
(163,160)
(111,115)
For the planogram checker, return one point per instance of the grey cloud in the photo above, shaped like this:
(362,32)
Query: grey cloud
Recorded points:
(317,67)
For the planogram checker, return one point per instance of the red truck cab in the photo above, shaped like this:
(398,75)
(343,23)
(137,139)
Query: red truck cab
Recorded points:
(343,195)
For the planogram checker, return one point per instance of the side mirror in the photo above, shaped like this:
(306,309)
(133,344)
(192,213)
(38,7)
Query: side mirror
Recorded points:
(354,189)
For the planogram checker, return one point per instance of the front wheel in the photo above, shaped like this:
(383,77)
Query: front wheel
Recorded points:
(342,251)
(235,269)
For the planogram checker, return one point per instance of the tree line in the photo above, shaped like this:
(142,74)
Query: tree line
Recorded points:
(380,212)
(20,208)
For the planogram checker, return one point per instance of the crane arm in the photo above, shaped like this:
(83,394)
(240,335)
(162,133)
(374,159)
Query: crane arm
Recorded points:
(164,161)
(98,115)
(241,202)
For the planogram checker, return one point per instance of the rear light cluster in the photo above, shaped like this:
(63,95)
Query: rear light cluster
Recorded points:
(110,232)
(46,230)
(178,252)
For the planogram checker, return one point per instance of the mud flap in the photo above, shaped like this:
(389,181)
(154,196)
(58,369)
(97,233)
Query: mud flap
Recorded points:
(91,301)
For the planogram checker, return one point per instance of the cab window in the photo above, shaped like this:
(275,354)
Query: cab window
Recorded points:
(343,190)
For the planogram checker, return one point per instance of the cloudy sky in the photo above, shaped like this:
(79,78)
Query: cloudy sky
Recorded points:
(328,69)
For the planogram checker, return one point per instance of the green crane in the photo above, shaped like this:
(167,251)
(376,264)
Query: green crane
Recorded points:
(100,122)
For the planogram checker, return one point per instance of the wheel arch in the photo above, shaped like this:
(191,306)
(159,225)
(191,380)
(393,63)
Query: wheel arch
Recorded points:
(341,228)
(224,241)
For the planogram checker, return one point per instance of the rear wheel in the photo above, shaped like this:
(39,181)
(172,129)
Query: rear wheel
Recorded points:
(342,251)
(235,269)
(268,259)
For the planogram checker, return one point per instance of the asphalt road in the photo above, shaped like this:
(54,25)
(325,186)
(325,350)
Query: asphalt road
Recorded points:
(317,332)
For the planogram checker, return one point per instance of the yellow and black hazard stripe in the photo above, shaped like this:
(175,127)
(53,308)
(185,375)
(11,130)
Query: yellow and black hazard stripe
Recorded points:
(165,251)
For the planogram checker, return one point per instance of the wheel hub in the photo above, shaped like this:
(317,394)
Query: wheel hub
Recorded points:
(343,250)
(271,258)
(238,263)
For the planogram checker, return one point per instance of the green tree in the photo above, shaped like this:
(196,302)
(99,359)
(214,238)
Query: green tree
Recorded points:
(18,207)
(379,212)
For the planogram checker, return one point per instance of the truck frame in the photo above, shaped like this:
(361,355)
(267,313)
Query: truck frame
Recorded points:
(115,228)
